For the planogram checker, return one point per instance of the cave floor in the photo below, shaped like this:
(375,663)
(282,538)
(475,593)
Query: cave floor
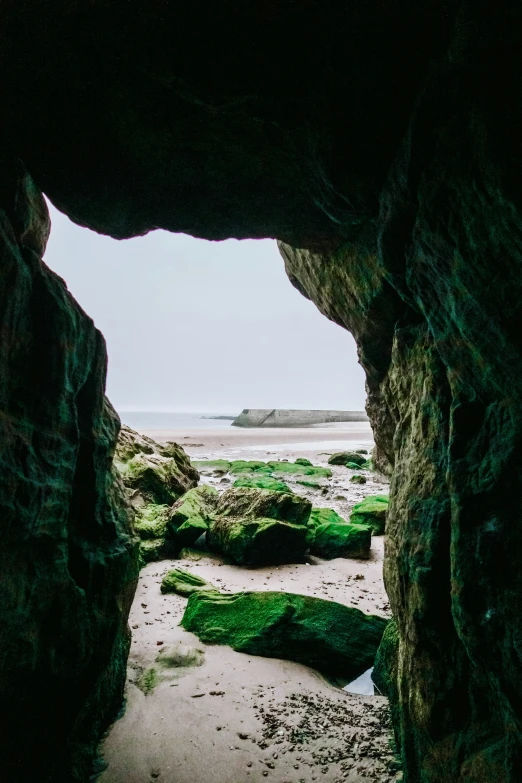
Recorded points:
(206,714)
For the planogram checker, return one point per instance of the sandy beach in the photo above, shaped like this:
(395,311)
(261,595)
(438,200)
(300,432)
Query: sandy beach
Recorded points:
(197,713)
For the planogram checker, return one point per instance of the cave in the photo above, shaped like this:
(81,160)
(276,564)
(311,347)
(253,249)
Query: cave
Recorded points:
(379,143)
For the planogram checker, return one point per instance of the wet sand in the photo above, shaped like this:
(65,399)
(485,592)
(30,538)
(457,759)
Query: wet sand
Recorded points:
(211,715)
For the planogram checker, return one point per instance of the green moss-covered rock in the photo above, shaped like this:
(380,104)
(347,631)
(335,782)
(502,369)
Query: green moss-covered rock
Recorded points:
(371,511)
(262,482)
(183,583)
(151,521)
(210,466)
(384,672)
(358,479)
(240,466)
(361,451)
(335,639)
(325,516)
(299,468)
(332,536)
(258,541)
(311,483)
(249,502)
(354,466)
(153,472)
(259,526)
(151,526)
(303,461)
(342,540)
(344,457)
(190,516)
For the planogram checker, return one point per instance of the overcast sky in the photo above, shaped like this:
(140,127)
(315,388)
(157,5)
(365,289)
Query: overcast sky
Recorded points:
(204,326)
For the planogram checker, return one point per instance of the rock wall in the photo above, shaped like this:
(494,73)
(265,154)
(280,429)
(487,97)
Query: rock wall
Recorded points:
(445,404)
(68,560)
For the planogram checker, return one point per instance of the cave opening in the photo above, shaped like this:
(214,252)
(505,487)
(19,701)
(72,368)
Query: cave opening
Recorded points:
(193,322)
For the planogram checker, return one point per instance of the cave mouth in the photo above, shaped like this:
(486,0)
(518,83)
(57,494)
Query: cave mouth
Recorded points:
(226,326)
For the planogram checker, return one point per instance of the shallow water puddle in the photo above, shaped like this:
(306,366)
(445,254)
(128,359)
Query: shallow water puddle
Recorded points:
(362,685)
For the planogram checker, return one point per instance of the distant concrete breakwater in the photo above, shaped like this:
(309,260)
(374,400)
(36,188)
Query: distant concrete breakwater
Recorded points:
(277,417)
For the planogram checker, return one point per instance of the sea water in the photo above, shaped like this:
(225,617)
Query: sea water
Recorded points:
(167,420)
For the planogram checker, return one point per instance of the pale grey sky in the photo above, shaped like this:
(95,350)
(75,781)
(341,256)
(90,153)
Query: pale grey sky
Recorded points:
(204,326)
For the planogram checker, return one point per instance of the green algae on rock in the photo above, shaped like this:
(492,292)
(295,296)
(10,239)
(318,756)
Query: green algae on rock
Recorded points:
(303,461)
(240,466)
(258,541)
(251,502)
(210,466)
(153,472)
(342,540)
(335,639)
(151,525)
(358,479)
(332,536)
(190,516)
(371,511)
(299,468)
(385,668)
(345,457)
(260,527)
(262,482)
(184,583)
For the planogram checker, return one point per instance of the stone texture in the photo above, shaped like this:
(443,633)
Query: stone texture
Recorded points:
(157,473)
(191,515)
(332,536)
(259,527)
(335,639)
(68,558)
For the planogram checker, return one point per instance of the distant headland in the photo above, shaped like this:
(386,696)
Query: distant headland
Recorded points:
(277,417)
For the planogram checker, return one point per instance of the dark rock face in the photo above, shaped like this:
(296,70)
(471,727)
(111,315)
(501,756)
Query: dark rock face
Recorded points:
(68,558)
(380,142)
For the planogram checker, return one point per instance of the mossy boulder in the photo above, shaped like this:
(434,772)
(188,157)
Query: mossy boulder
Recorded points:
(251,502)
(303,461)
(151,526)
(153,472)
(209,466)
(385,668)
(371,511)
(335,639)
(258,526)
(190,516)
(332,536)
(184,583)
(262,482)
(358,479)
(344,457)
(312,483)
(342,540)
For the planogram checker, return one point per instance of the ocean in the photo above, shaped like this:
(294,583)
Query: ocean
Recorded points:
(166,420)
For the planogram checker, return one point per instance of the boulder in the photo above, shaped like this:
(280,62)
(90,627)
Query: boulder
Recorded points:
(151,525)
(190,516)
(303,461)
(332,536)
(335,639)
(371,511)
(250,502)
(262,482)
(344,457)
(184,583)
(153,472)
(259,526)
(358,479)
